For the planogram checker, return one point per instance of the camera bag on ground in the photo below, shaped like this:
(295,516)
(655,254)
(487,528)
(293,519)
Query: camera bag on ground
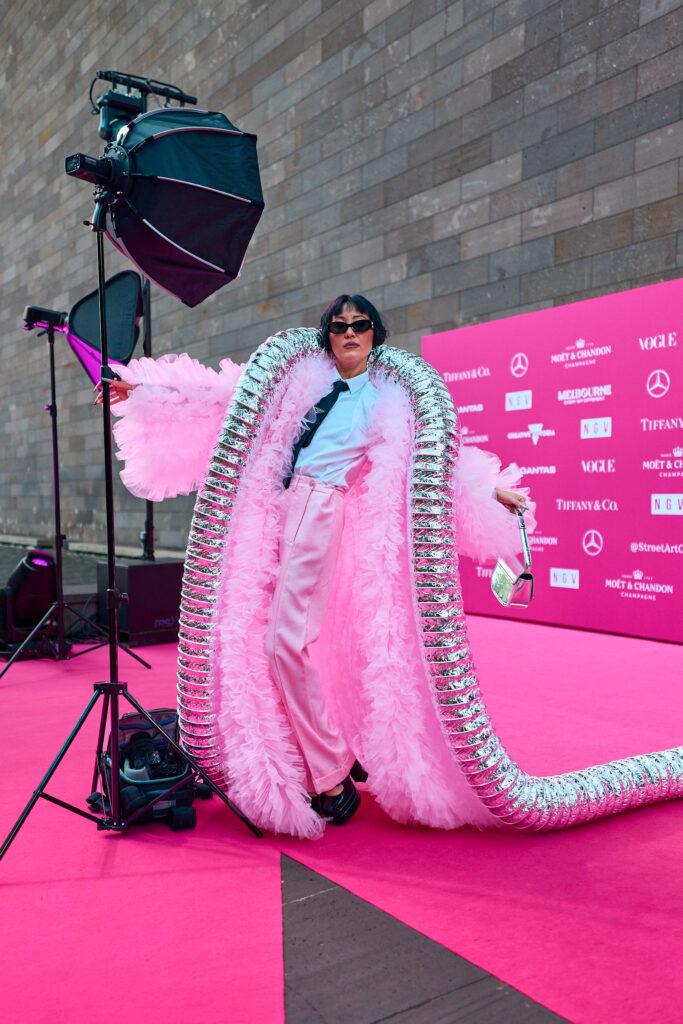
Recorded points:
(148,767)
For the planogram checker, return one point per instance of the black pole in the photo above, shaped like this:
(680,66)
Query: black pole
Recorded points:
(147,537)
(114,598)
(59,537)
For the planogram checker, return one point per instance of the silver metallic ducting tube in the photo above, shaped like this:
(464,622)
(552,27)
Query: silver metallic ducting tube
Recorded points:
(518,799)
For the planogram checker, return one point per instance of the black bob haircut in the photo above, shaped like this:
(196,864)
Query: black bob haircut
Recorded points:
(360,303)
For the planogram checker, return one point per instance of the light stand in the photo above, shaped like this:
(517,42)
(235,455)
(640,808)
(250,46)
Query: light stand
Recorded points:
(107,766)
(50,629)
(147,535)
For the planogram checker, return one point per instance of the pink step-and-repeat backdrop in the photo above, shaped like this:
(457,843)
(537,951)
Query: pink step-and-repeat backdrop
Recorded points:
(587,399)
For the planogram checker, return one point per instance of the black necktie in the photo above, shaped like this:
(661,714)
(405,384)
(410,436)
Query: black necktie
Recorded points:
(321,410)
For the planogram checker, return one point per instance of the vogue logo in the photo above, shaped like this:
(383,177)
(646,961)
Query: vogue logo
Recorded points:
(658,383)
(568,579)
(599,465)
(599,427)
(535,432)
(658,341)
(576,396)
(589,505)
(666,504)
(517,400)
(478,371)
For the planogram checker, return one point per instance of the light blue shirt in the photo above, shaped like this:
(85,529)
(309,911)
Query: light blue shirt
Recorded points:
(336,453)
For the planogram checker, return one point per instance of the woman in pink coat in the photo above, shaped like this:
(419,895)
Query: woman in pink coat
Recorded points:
(315,665)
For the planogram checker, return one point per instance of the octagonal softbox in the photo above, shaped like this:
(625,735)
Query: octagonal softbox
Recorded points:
(191,201)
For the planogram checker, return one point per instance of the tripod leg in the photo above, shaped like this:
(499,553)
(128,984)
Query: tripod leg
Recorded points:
(48,775)
(100,743)
(195,767)
(47,618)
(103,632)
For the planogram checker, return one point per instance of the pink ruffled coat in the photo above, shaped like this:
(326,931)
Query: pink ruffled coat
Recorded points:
(369,652)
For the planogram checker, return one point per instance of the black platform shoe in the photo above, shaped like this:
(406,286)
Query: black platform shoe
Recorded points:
(358,772)
(337,809)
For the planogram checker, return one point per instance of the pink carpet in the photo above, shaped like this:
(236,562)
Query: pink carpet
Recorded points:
(153,925)
(586,921)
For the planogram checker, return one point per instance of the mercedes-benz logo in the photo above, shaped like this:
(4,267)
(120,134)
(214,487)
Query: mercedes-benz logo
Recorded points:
(592,542)
(658,383)
(519,364)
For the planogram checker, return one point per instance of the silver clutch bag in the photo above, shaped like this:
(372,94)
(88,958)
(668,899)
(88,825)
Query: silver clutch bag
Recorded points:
(513,583)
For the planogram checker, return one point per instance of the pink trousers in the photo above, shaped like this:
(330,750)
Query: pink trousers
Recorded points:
(313,516)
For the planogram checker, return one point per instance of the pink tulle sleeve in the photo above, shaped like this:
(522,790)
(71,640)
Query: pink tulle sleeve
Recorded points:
(168,425)
(485,530)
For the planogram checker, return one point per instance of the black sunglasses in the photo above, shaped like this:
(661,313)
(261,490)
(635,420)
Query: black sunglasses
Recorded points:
(358,326)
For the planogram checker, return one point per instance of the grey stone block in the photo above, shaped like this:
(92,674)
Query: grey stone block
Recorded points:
(493,177)
(524,132)
(657,219)
(605,97)
(634,261)
(532,64)
(521,259)
(562,149)
(653,111)
(610,233)
(596,169)
(432,256)
(554,281)
(490,298)
(661,71)
(639,189)
(565,81)
(600,30)
(636,47)
(463,41)
(492,116)
(494,53)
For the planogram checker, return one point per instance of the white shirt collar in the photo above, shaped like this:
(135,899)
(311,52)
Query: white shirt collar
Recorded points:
(355,383)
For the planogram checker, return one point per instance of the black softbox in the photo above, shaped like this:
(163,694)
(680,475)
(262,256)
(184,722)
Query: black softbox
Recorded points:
(123,310)
(190,199)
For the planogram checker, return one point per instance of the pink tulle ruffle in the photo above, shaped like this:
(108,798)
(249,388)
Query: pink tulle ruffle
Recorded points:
(485,530)
(169,424)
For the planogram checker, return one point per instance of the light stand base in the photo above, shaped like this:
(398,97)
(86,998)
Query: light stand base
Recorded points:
(47,632)
(113,822)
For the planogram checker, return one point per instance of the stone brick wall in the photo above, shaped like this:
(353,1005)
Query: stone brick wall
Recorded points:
(456,161)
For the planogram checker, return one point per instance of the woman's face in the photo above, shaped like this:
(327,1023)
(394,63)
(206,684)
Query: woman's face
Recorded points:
(351,350)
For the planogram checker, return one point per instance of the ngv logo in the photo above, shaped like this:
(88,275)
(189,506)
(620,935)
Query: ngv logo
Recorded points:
(517,400)
(658,341)
(598,465)
(601,426)
(567,579)
(666,504)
